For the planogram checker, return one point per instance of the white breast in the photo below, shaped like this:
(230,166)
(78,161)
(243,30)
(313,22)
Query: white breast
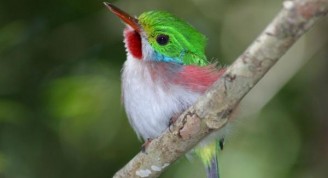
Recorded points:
(150,103)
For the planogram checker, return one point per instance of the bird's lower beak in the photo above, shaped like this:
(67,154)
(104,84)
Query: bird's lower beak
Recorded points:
(131,21)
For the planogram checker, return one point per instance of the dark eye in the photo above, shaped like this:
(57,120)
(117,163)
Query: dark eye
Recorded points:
(162,39)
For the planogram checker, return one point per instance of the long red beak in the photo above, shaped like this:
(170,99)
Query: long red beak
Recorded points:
(128,19)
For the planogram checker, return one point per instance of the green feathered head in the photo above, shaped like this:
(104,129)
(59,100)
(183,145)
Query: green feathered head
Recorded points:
(170,39)
(173,38)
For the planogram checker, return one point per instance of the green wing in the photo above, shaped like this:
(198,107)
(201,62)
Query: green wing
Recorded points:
(191,58)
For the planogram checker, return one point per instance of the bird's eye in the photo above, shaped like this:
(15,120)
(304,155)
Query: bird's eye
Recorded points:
(162,39)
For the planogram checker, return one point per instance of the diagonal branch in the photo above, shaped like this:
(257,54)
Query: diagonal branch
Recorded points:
(212,111)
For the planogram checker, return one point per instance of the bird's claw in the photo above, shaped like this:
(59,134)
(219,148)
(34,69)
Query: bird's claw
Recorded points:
(221,143)
(145,145)
(173,120)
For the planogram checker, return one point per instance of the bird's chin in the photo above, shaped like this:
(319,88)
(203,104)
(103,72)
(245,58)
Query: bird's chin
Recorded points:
(133,44)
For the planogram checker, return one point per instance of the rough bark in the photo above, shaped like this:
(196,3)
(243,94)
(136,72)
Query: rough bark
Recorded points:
(213,110)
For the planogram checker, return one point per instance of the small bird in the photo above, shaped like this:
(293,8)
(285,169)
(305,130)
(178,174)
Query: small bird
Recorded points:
(165,72)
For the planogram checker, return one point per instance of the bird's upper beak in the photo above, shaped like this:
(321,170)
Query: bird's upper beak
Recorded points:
(128,19)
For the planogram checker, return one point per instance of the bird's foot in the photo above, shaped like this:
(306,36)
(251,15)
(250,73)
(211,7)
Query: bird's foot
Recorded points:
(173,119)
(145,145)
(221,143)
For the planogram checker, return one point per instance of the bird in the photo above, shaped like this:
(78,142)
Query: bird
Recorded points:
(165,72)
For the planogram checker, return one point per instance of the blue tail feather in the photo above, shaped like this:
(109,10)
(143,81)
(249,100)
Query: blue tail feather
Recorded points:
(212,170)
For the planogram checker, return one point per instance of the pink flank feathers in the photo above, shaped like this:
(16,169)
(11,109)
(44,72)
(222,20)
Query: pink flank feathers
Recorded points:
(198,78)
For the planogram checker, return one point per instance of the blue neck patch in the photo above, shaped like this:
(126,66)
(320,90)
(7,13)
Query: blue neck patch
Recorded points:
(162,58)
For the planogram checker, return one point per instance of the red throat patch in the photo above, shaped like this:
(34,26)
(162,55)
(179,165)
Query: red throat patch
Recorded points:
(133,43)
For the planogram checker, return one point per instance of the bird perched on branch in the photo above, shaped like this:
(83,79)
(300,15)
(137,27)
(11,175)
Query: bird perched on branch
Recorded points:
(165,72)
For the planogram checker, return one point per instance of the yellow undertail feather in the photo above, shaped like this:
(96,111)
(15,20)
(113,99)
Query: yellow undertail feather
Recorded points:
(208,155)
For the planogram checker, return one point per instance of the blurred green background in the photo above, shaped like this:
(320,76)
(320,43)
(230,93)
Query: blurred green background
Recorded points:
(60,108)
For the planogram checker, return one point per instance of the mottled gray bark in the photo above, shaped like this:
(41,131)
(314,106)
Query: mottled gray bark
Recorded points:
(213,110)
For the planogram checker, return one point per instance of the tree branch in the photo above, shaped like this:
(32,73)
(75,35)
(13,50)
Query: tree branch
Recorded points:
(212,111)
